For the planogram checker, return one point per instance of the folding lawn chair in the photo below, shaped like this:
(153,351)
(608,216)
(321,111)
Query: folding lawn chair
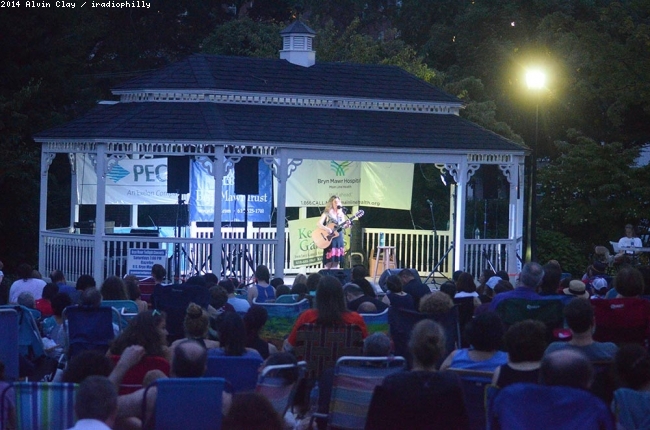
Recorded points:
(355,379)
(240,372)
(474,383)
(88,328)
(186,403)
(278,384)
(45,405)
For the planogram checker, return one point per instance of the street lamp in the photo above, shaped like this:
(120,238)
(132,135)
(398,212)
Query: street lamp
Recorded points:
(536,81)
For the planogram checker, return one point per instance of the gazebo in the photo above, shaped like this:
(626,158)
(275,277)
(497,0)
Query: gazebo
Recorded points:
(218,110)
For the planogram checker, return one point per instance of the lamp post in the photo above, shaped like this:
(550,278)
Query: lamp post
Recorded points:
(535,81)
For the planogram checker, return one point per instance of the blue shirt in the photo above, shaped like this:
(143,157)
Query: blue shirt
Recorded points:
(521,292)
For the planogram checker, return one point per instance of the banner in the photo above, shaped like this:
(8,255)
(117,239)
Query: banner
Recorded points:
(232,205)
(384,185)
(304,251)
(128,182)
(144,182)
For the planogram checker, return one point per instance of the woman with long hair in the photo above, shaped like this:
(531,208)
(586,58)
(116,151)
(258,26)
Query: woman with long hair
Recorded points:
(232,337)
(329,310)
(147,329)
(332,217)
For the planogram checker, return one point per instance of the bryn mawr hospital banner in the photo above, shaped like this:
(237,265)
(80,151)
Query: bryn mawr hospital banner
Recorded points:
(382,185)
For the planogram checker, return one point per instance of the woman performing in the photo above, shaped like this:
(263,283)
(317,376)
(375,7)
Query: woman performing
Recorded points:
(333,214)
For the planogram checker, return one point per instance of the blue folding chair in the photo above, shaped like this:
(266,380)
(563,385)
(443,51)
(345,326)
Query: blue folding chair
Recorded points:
(240,372)
(377,322)
(187,403)
(9,342)
(30,343)
(126,310)
(88,328)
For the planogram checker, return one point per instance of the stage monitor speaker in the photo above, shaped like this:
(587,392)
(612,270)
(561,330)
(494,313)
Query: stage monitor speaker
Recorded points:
(247,176)
(178,174)
(384,276)
(343,275)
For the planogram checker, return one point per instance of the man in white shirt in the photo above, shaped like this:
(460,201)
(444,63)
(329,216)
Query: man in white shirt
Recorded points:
(26,284)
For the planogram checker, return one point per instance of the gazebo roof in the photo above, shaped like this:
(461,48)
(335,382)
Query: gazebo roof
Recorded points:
(279,126)
(275,76)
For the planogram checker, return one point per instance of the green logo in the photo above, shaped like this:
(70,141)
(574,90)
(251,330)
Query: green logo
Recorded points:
(339,169)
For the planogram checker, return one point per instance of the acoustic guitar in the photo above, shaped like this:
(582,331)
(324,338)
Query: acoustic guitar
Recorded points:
(322,239)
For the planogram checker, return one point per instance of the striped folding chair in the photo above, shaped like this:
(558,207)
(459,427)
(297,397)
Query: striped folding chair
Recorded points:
(45,405)
(278,384)
(355,379)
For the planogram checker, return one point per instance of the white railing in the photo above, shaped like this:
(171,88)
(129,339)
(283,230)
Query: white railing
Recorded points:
(421,250)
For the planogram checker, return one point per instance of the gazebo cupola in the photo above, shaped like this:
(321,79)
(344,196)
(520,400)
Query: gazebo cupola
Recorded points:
(297,44)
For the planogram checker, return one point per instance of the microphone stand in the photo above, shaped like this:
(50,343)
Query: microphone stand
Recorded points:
(435,244)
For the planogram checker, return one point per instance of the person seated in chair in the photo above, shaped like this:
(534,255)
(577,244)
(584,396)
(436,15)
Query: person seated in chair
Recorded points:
(413,286)
(95,404)
(355,297)
(579,317)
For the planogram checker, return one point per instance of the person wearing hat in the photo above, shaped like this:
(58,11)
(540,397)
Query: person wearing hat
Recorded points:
(576,289)
(599,288)
(579,316)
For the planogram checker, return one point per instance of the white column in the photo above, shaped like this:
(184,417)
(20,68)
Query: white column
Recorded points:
(218,168)
(74,202)
(46,161)
(100,213)
(461,178)
(511,172)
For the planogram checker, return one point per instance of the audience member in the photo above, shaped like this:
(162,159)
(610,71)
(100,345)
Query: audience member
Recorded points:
(436,303)
(195,325)
(577,289)
(254,321)
(529,280)
(449,287)
(282,290)
(628,283)
(525,343)
(26,299)
(147,329)
(312,282)
(252,411)
(240,305)
(26,283)
(262,291)
(484,333)
(396,297)
(300,278)
(355,297)
(276,282)
(465,287)
(567,367)
(551,280)
(57,277)
(359,274)
(631,404)
(44,305)
(52,327)
(85,364)
(232,337)
(329,310)
(132,286)
(83,282)
(219,301)
(421,398)
(598,287)
(300,291)
(483,278)
(579,317)
(413,286)
(95,404)
(113,288)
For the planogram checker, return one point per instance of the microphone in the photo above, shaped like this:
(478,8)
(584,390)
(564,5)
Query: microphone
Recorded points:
(339,207)
(429,202)
(345,210)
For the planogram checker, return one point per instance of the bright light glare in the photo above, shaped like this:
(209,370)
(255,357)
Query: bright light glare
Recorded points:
(535,79)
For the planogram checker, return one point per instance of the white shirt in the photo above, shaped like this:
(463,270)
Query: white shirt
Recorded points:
(90,424)
(630,242)
(32,285)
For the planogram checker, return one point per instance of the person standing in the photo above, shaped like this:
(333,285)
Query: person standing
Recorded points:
(630,240)
(333,214)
